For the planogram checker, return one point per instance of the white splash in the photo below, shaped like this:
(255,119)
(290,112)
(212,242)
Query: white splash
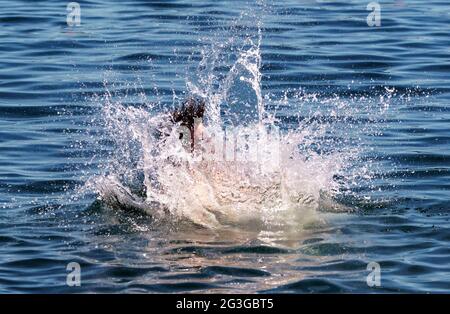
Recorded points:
(151,170)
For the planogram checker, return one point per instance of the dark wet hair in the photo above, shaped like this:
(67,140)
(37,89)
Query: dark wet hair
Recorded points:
(191,109)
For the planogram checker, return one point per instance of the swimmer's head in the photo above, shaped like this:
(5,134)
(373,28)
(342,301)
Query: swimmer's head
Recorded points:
(187,115)
(191,110)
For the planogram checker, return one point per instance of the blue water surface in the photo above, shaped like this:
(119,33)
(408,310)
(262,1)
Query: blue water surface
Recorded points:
(50,73)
